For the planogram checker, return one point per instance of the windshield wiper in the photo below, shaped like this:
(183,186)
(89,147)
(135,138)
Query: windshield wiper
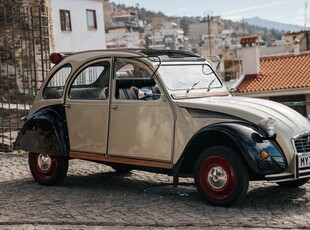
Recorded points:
(209,86)
(196,83)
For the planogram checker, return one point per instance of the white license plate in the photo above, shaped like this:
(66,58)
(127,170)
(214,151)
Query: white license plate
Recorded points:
(304,161)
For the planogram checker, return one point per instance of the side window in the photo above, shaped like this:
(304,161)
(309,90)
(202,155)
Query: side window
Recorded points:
(133,78)
(127,69)
(56,84)
(91,83)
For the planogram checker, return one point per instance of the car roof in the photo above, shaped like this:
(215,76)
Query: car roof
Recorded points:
(152,54)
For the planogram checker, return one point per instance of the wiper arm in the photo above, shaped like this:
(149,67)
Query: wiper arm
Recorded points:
(196,83)
(209,86)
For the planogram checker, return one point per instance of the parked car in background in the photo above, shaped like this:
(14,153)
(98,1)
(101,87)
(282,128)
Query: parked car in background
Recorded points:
(161,111)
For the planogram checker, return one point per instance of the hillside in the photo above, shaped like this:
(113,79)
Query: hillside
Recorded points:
(256,21)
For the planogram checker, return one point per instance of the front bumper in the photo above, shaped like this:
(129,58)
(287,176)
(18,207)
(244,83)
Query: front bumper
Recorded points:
(301,161)
(288,176)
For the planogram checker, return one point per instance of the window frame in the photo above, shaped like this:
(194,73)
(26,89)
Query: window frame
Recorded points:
(65,22)
(93,19)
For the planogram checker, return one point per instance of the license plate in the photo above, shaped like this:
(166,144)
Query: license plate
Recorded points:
(304,161)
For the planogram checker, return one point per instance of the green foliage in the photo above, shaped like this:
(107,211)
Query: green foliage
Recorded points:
(186,21)
(142,13)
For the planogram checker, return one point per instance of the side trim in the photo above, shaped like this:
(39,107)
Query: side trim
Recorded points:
(120,160)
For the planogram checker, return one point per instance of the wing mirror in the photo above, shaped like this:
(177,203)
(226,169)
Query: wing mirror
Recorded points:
(145,93)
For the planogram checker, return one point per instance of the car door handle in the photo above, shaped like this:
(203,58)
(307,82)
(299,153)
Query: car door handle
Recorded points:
(67,105)
(115,107)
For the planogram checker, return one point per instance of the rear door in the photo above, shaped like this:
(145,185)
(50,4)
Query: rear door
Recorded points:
(87,108)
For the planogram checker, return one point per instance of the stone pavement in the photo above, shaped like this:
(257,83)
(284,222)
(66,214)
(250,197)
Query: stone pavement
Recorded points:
(93,196)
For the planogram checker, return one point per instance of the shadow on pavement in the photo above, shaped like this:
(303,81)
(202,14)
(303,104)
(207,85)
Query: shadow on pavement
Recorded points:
(144,185)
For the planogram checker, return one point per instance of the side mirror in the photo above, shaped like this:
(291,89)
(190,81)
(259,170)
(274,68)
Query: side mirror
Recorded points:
(144,93)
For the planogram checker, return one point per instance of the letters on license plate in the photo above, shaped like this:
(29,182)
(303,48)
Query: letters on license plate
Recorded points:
(304,161)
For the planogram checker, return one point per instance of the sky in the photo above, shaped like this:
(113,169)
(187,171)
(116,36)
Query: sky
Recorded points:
(284,11)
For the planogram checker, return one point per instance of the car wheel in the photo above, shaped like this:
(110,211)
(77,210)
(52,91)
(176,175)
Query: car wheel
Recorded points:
(121,168)
(46,169)
(294,184)
(220,176)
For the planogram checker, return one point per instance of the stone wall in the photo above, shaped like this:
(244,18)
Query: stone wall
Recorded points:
(24,48)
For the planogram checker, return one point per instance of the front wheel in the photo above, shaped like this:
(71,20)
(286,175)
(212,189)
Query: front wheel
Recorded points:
(220,176)
(47,169)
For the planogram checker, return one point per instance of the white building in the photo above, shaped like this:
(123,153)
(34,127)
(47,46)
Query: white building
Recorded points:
(77,25)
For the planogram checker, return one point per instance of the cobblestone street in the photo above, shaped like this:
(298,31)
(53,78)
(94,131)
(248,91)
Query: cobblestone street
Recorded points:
(93,196)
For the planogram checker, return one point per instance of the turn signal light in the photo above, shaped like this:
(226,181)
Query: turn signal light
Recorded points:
(55,58)
(264,154)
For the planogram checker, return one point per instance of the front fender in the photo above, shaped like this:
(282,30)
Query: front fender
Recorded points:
(251,142)
(244,138)
(43,132)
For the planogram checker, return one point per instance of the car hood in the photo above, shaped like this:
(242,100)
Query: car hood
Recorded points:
(253,110)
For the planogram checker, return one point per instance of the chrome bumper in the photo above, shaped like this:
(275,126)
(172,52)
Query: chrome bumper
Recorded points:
(298,173)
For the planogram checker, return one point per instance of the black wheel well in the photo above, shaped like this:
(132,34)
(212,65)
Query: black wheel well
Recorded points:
(202,142)
(45,131)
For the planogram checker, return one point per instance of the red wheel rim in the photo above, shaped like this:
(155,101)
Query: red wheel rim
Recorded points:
(44,166)
(217,178)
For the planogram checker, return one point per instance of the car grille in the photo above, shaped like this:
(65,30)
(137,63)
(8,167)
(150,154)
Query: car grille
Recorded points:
(302,144)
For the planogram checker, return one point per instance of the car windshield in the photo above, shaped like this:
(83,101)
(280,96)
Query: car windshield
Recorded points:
(189,77)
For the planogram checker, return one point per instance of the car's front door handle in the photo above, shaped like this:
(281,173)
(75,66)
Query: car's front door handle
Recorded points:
(67,105)
(115,107)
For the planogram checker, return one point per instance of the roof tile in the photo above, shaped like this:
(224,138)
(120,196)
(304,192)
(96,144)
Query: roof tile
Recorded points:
(282,72)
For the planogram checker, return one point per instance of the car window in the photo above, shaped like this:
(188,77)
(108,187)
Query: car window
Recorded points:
(91,83)
(130,69)
(131,77)
(56,84)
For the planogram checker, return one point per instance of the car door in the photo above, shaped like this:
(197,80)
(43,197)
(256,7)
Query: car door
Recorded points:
(87,108)
(140,129)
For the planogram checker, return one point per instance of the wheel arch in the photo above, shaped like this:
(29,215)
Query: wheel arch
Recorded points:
(45,132)
(198,145)
(243,138)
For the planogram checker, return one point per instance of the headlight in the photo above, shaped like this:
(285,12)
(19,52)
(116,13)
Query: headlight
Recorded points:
(268,125)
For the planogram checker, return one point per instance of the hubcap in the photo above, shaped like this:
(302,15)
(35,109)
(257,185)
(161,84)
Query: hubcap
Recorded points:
(44,162)
(217,177)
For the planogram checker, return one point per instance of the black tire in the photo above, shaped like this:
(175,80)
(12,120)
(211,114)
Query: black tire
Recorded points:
(294,183)
(48,170)
(119,168)
(221,176)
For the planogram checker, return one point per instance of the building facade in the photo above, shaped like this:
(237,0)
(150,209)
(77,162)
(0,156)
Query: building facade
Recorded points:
(77,25)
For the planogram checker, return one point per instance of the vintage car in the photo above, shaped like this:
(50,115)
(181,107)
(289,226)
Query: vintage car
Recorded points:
(161,111)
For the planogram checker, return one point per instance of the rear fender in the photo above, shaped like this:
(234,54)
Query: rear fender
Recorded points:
(43,132)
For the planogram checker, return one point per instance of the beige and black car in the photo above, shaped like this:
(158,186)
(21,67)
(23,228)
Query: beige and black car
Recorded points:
(161,111)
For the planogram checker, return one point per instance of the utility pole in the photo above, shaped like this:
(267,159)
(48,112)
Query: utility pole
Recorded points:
(306,16)
(209,34)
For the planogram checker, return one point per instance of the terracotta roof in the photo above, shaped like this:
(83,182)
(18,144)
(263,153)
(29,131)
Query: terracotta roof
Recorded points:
(278,73)
(248,40)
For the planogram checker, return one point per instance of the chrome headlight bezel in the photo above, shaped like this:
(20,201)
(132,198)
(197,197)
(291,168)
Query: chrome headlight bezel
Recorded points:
(268,126)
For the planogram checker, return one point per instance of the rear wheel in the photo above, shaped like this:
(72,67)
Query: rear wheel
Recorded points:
(294,184)
(220,176)
(46,169)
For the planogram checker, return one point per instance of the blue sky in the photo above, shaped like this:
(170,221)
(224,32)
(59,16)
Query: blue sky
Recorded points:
(285,11)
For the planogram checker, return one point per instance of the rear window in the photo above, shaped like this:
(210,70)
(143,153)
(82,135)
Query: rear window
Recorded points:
(56,84)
